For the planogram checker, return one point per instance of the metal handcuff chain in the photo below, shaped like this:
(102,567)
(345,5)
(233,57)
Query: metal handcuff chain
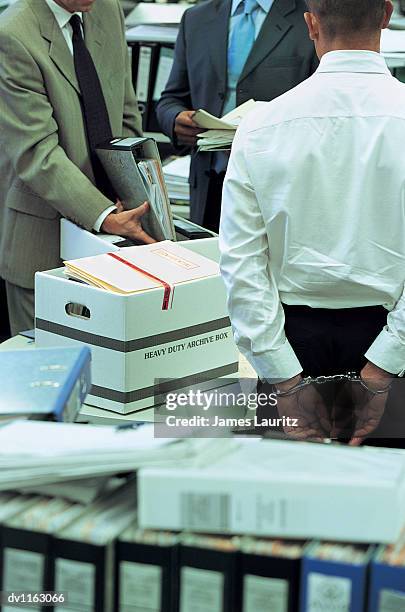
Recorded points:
(321,380)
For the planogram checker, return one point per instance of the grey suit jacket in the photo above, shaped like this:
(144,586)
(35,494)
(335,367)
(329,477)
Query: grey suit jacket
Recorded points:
(282,57)
(44,163)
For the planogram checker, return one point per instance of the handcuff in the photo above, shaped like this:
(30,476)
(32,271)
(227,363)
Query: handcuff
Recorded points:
(321,380)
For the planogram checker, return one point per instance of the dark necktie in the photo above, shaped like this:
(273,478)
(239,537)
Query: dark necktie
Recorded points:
(96,118)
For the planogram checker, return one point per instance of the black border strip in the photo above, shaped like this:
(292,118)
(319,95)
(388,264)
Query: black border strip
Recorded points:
(175,384)
(128,346)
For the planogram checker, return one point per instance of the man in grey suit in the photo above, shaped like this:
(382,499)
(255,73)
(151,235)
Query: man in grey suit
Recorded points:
(217,67)
(65,83)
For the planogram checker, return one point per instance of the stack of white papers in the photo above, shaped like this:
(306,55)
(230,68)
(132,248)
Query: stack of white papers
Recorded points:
(393,42)
(37,453)
(141,268)
(152,33)
(220,132)
(176,174)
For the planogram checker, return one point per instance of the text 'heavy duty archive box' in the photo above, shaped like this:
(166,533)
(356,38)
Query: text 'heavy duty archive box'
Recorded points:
(134,343)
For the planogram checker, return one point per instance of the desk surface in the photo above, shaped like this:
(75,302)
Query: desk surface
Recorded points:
(91,414)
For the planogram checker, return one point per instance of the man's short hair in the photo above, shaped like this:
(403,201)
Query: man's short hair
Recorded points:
(348,16)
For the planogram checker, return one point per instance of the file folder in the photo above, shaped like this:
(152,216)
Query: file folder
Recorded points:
(83,554)
(44,383)
(134,168)
(334,576)
(146,571)
(160,78)
(144,62)
(387,578)
(269,574)
(207,574)
(26,543)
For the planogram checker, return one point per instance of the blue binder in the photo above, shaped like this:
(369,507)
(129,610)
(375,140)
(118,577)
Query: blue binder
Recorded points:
(334,585)
(387,583)
(44,383)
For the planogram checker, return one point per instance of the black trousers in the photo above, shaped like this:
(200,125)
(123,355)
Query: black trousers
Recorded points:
(4,321)
(329,342)
(212,213)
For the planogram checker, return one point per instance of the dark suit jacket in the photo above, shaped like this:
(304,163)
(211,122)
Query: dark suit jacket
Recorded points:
(282,56)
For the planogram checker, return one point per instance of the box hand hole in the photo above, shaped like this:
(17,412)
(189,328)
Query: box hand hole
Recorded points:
(77,310)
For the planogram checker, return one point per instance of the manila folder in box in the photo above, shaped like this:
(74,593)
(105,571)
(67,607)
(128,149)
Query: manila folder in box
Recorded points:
(140,268)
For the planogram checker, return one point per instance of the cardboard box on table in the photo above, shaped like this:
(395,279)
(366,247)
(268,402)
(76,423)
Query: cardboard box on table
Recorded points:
(134,342)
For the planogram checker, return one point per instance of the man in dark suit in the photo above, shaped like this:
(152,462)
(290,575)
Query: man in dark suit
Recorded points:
(207,73)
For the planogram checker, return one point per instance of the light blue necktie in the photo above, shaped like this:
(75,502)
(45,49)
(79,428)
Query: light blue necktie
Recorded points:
(243,38)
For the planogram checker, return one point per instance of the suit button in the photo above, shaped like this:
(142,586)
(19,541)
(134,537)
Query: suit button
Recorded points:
(221,95)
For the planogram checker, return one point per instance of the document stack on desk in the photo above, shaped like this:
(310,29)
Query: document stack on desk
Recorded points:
(35,453)
(141,268)
(176,174)
(220,132)
(393,44)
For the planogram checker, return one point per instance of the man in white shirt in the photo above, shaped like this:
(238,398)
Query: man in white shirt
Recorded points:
(313,226)
(65,87)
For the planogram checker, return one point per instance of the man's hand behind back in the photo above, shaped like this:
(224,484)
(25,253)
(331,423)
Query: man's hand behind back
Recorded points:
(127,223)
(306,408)
(369,401)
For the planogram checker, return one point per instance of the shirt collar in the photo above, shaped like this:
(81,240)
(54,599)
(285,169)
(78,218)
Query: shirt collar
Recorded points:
(353,61)
(61,15)
(265,5)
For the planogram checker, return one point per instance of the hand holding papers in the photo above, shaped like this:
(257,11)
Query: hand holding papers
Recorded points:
(220,132)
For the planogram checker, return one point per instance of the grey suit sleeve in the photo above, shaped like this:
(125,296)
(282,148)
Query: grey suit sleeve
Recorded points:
(176,97)
(132,119)
(30,134)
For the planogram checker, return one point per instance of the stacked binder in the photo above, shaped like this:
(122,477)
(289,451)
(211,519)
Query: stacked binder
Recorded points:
(176,174)
(152,48)
(96,559)
(46,384)
(134,168)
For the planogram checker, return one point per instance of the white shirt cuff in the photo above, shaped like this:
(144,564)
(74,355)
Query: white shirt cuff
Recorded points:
(100,220)
(277,364)
(387,352)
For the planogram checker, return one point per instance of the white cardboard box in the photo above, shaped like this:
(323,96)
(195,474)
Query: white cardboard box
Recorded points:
(282,489)
(134,342)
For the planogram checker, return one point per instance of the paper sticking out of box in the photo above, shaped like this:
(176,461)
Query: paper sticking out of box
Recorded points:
(141,268)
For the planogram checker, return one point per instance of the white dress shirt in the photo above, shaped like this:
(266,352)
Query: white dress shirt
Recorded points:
(63,17)
(314,210)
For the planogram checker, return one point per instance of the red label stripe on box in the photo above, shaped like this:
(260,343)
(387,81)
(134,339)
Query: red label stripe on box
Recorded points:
(167,288)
